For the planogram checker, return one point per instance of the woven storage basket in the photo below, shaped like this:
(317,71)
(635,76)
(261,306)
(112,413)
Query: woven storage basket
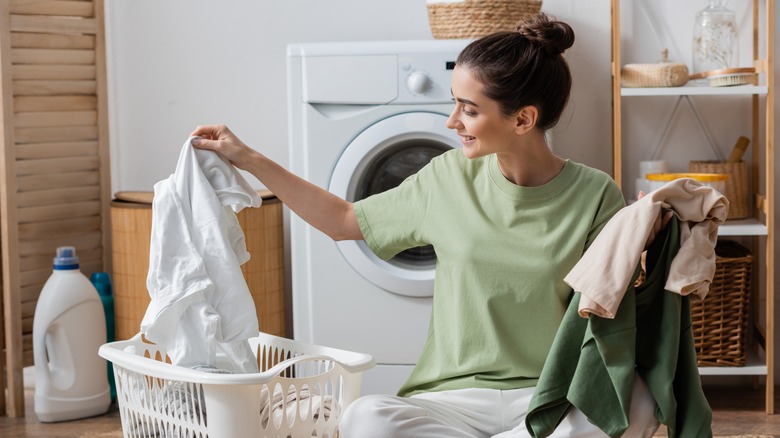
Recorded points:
(737,185)
(477,18)
(661,74)
(720,321)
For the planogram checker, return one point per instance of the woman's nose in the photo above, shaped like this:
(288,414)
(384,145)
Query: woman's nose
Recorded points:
(452,120)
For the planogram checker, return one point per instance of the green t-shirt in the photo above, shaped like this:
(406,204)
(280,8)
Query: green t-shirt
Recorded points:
(502,252)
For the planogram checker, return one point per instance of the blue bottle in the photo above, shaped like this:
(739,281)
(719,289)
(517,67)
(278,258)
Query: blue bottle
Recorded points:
(102,282)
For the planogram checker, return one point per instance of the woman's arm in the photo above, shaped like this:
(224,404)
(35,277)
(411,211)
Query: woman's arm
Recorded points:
(321,209)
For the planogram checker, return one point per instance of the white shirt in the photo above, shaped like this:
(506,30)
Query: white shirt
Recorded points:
(201,309)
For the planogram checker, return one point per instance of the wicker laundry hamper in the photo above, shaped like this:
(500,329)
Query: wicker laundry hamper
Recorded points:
(720,321)
(476,18)
(737,184)
(131,227)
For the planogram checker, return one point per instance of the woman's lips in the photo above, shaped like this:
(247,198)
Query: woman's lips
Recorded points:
(466,138)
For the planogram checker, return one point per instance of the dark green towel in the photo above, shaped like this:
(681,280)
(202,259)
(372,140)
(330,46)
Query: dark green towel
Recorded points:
(592,361)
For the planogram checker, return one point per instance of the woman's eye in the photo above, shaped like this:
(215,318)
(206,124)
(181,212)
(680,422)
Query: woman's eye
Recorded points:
(468,112)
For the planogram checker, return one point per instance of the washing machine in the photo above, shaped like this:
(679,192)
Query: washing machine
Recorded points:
(362,117)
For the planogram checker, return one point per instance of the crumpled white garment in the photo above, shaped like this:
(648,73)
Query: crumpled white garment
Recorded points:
(201,309)
(298,403)
(604,272)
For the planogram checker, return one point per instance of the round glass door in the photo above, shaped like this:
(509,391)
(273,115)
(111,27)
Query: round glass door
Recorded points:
(378,159)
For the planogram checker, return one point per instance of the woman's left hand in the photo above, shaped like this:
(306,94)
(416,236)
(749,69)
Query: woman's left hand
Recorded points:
(660,222)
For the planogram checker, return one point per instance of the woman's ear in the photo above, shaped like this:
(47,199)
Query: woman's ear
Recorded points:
(525,119)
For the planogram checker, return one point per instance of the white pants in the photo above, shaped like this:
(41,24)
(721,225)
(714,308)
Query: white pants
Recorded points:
(471,413)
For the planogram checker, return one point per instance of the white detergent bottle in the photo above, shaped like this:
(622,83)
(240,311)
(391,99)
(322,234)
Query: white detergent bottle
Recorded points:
(68,329)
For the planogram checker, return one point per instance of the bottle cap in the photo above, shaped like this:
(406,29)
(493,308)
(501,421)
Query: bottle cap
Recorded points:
(102,282)
(66,258)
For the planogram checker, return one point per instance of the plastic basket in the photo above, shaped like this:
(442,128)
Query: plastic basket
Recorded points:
(300,391)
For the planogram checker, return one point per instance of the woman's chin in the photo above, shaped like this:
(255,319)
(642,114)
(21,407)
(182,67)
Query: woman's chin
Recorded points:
(471,151)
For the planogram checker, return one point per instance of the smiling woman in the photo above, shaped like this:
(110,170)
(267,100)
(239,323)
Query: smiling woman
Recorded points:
(513,193)
(507,219)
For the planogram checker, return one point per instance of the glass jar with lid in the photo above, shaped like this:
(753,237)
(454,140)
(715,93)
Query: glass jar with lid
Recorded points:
(715,45)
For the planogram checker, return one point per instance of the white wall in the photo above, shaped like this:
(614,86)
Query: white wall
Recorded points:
(175,64)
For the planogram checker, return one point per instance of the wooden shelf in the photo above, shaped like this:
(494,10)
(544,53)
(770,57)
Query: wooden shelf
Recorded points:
(763,122)
(743,227)
(755,366)
(692,89)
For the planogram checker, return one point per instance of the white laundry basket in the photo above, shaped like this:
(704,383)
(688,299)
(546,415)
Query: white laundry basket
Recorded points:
(300,391)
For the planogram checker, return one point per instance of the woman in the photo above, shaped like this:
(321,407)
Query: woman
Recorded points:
(508,219)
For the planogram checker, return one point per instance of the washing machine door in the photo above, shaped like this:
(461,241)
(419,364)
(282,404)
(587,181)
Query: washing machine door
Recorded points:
(378,159)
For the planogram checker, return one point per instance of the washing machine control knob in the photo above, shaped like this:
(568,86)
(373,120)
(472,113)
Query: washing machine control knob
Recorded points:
(419,82)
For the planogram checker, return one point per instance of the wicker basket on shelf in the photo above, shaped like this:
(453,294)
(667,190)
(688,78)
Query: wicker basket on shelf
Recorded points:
(720,321)
(737,184)
(476,18)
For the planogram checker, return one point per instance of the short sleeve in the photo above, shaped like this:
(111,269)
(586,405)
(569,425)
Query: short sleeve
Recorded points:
(394,220)
(611,202)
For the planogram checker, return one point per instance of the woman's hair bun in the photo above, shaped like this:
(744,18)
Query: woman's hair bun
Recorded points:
(546,32)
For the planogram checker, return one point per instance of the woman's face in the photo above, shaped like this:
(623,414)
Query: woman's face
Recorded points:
(477,119)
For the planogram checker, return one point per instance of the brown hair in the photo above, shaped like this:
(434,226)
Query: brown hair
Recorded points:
(524,67)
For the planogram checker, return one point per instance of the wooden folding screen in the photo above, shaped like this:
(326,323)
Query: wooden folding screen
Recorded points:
(54,165)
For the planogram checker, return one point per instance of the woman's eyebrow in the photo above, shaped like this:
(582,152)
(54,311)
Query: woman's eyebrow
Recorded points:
(465,101)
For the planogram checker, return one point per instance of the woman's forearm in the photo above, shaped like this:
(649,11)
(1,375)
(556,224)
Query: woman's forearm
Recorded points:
(321,209)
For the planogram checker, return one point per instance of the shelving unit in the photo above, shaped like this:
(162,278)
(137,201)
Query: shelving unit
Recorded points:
(761,225)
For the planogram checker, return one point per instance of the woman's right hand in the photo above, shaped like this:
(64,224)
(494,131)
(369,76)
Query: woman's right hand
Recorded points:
(220,139)
(320,208)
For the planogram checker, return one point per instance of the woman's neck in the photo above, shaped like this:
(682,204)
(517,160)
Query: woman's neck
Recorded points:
(531,163)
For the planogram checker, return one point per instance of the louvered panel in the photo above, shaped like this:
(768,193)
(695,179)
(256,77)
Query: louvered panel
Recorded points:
(52,41)
(36,277)
(27,325)
(47,246)
(52,7)
(59,211)
(36,262)
(53,57)
(30,293)
(58,196)
(48,182)
(48,166)
(27,352)
(55,118)
(46,72)
(44,24)
(33,281)
(54,103)
(59,227)
(53,88)
(57,133)
(28,309)
(55,177)
(56,149)
(91,262)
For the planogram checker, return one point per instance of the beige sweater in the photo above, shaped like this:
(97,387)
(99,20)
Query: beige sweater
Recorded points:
(603,273)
